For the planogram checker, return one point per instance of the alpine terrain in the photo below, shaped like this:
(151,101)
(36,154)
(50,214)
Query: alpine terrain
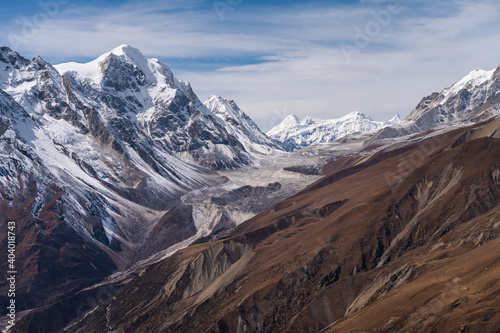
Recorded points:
(309,131)
(140,208)
(111,162)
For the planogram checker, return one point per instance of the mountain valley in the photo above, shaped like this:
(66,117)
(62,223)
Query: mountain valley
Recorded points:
(140,208)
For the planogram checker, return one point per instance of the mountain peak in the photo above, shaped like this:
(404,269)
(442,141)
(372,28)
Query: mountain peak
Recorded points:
(394,120)
(154,71)
(291,118)
(216,99)
(216,103)
(309,120)
(131,55)
(129,51)
(311,131)
(452,105)
(123,47)
(475,78)
(355,115)
(9,56)
(221,106)
(241,125)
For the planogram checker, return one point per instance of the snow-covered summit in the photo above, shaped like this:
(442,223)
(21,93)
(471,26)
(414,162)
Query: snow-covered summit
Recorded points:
(458,100)
(473,97)
(394,120)
(472,80)
(120,137)
(289,121)
(153,70)
(310,131)
(146,91)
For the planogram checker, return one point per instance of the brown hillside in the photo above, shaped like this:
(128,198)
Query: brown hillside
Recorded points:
(405,240)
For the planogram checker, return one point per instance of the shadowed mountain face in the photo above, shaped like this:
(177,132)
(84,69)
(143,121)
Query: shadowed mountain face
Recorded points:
(406,239)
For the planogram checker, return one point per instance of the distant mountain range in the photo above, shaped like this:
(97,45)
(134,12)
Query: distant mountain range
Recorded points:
(473,97)
(298,134)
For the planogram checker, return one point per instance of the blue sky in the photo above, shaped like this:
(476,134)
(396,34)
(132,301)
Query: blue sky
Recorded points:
(311,58)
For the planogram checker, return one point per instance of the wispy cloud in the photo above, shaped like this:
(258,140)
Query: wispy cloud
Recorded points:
(275,58)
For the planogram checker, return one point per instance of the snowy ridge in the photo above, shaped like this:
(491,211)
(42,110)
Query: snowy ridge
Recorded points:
(241,126)
(473,97)
(474,79)
(311,131)
(457,101)
(121,138)
(154,71)
(394,120)
(14,124)
(70,144)
(124,83)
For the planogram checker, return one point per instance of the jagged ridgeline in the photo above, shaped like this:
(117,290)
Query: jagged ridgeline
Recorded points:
(95,157)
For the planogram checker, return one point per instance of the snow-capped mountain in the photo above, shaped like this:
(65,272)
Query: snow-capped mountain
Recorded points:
(18,162)
(293,132)
(117,135)
(63,223)
(144,93)
(476,96)
(96,157)
(456,101)
(242,126)
(92,141)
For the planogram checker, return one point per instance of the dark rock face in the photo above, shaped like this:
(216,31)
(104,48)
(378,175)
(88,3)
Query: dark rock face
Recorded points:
(172,228)
(12,58)
(305,169)
(4,124)
(245,192)
(173,116)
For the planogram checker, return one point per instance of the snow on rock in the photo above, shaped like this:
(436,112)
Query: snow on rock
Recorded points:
(81,132)
(143,93)
(474,79)
(473,97)
(311,131)
(394,120)
(242,127)
(120,137)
